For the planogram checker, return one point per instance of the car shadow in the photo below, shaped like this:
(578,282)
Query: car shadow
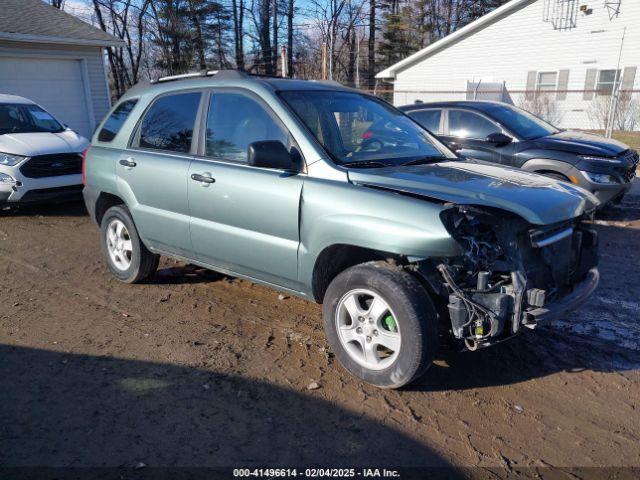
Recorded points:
(71,208)
(627,211)
(185,274)
(68,410)
(527,356)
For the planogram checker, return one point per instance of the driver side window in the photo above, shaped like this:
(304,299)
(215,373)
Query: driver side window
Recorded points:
(234,121)
(466,124)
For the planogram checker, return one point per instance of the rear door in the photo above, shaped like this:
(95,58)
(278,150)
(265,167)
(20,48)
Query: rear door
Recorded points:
(466,132)
(243,218)
(153,172)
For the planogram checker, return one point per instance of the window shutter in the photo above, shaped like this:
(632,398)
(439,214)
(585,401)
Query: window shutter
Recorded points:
(590,83)
(563,84)
(531,83)
(628,78)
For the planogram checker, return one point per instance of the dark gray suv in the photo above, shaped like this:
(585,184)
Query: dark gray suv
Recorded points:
(503,134)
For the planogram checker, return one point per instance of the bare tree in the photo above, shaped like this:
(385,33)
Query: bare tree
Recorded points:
(161,37)
(237,8)
(264,36)
(290,14)
(125,19)
(195,12)
(543,105)
(627,114)
(275,37)
(327,17)
(354,19)
(371,64)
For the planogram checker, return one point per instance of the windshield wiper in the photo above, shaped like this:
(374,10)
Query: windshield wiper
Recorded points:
(367,164)
(424,160)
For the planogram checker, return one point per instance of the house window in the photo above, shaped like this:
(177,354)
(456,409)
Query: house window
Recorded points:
(607,80)
(547,81)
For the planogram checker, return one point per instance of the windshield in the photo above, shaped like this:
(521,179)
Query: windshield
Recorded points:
(360,130)
(520,122)
(26,118)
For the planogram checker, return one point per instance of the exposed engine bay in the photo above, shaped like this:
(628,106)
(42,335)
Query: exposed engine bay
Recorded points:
(511,273)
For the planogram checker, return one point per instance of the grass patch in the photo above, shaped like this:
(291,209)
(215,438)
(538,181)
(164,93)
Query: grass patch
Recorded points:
(630,138)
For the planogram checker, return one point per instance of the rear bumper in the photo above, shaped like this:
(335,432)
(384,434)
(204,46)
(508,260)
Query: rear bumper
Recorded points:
(90,196)
(579,294)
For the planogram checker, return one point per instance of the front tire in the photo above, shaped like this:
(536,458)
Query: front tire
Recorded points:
(127,257)
(381,324)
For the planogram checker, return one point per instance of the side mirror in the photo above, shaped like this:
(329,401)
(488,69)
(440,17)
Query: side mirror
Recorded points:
(454,147)
(499,139)
(272,154)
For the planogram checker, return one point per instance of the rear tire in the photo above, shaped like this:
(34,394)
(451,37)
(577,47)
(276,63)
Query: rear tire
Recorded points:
(386,353)
(127,257)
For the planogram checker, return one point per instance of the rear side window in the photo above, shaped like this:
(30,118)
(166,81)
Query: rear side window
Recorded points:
(168,124)
(429,119)
(115,121)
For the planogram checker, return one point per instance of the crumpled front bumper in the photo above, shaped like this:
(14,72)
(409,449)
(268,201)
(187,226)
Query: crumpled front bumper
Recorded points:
(569,302)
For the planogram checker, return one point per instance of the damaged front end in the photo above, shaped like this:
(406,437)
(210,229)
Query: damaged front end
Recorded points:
(512,273)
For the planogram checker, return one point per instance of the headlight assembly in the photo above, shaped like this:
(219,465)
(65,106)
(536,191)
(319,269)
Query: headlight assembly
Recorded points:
(10,160)
(600,177)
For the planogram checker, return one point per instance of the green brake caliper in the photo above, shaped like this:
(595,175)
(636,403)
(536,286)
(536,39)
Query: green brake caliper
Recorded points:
(390,323)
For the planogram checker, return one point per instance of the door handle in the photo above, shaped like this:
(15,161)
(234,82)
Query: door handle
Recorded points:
(128,162)
(202,178)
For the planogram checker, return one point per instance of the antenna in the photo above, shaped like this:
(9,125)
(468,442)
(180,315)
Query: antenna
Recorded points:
(613,7)
(561,14)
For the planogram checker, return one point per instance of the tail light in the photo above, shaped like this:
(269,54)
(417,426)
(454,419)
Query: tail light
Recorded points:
(367,134)
(84,168)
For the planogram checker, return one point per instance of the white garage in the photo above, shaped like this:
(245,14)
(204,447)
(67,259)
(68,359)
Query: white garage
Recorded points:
(65,74)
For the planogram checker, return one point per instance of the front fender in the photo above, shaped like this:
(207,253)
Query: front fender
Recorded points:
(547,164)
(342,213)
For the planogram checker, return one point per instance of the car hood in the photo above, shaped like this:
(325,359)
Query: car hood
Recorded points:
(581,143)
(537,199)
(42,143)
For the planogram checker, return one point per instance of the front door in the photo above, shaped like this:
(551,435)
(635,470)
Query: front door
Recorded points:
(153,173)
(466,134)
(243,218)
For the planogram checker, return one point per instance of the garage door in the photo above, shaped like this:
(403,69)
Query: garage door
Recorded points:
(55,84)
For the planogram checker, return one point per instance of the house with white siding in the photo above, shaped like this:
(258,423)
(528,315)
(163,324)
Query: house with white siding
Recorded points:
(568,55)
(56,60)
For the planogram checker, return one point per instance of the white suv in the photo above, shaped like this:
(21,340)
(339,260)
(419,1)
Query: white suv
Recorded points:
(40,158)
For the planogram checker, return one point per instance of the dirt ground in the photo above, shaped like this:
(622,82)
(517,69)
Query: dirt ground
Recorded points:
(195,369)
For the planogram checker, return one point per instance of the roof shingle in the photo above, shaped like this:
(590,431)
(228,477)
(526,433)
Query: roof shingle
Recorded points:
(34,20)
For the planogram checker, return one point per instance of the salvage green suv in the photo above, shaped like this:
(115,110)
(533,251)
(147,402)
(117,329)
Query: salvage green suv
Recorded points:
(335,196)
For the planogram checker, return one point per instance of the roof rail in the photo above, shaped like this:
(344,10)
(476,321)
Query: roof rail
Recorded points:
(222,74)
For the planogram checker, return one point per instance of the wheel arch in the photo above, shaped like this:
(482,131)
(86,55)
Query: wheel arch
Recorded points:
(104,202)
(553,174)
(336,258)
(547,165)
